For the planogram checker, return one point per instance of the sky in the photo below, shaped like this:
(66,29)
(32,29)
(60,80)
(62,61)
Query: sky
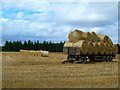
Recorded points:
(53,21)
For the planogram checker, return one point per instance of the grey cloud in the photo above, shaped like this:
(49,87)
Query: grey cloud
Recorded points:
(57,20)
(94,15)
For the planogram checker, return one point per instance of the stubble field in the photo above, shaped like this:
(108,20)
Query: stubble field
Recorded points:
(29,71)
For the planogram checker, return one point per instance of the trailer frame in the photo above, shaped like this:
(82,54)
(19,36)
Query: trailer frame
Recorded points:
(75,54)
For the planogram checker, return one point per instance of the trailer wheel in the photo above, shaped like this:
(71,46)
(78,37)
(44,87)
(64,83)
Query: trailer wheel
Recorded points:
(92,58)
(105,58)
(109,59)
(70,59)
(83,59)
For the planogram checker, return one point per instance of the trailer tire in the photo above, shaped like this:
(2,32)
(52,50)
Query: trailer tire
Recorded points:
(108,59)
(92,58)
(83,59)
(70,58)
(111,58)
(105,58)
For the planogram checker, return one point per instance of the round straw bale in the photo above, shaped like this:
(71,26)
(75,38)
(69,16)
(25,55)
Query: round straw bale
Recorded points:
(24,52)
(68,44)
(106,48)
(90,48)
(110,48)
(44,53)
(78,31)
(115,49)
(31,52)
(110,41)
(94,37)
(75,36)
(95,48)
(37,53)
(103,38)
(83,46)
(101,47)
(87,36)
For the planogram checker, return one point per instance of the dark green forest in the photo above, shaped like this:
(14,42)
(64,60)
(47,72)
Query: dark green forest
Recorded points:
(29,45)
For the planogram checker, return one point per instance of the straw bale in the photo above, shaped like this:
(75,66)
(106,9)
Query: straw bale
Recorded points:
(101,47)
(115,49)
(44,53)
(90,48)
(110,41)
(105,39)
(68,44)
(30,52)
(87,36)
(75,36)
(95,48)
(78,31)
(37,53)
(24,52)
(94,37)
(110,48)
(83,46)
(107,46)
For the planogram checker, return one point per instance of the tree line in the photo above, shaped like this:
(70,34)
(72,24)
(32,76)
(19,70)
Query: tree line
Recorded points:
(29,45)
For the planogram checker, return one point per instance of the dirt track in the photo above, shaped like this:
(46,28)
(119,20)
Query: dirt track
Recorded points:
(29,71)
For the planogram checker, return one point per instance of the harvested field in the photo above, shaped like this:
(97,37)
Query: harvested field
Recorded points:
(29,71)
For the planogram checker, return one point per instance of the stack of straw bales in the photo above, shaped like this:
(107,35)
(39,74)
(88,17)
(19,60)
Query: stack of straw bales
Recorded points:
(90,42)
(35,53)
(30,52)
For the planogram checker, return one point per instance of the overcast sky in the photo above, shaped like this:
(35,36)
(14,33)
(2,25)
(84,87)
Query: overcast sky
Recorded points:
(52,21)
